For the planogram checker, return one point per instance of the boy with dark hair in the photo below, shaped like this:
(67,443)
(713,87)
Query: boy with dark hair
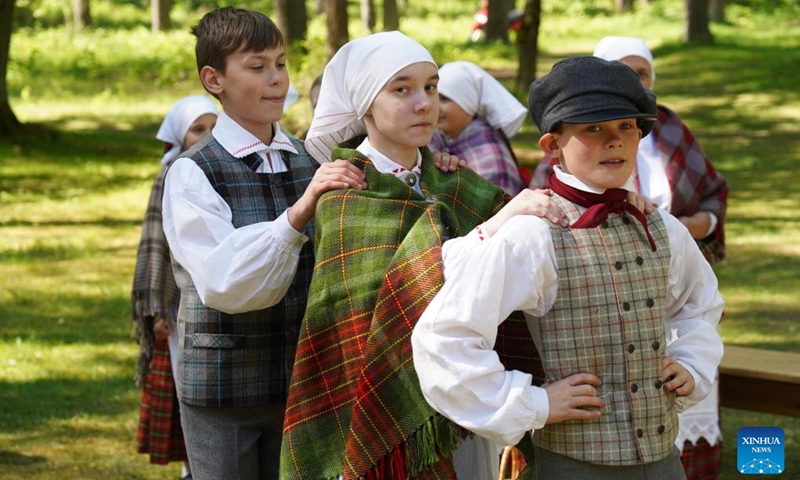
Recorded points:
(621,306)
(237,215)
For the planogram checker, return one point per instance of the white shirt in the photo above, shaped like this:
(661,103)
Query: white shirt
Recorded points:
(384,164)
(462,377)
(653,181)
(234,269)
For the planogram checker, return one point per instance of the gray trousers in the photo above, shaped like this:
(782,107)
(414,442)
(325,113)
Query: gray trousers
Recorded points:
(233,443)
(552,466)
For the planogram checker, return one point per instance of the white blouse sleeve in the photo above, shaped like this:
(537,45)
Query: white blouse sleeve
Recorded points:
(460,374)
(234,269)
(693,309)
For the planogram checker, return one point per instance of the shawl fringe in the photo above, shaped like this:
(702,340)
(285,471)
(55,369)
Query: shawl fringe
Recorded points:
(433,442)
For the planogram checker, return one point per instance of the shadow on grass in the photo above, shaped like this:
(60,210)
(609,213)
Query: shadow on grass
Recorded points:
(30,405)
(67,319)
(10,457)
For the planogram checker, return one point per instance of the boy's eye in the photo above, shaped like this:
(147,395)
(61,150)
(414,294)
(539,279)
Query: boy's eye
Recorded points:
(401,89)
(431,88)
(593,128)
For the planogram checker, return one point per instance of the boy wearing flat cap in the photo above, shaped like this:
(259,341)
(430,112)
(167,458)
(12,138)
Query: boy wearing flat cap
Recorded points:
(621,305)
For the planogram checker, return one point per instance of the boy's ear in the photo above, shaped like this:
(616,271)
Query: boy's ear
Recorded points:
(549,145)
(211,79)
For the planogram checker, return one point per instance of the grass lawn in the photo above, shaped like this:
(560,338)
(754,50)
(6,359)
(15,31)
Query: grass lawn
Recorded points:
(70,213)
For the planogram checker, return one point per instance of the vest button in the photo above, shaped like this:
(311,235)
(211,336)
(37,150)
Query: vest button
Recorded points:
(656,345)
(658,384)
(661,429)
(631,348)
(278,182)
(634,389)
(626,220)
(649,302)
(639,260)
(411,179)
(640,433)
(626,306)
(618,265)
(430,199)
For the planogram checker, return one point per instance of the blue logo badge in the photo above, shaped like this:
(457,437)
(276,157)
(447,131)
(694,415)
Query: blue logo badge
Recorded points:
(760,451)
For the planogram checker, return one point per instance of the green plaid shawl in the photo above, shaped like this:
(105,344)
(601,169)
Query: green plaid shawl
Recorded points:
(355,407)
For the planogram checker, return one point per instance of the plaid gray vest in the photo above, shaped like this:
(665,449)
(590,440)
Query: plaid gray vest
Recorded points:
(608,320)
(244,359)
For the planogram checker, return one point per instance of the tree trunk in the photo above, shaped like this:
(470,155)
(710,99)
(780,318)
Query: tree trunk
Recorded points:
(159,15)
(336,22)
(292,19)
(391,20)
(496,27)
(9,125)
(624,6)
(81,14)
(319,7)
(528,45)
(696,23)
(717,11)
(368,15)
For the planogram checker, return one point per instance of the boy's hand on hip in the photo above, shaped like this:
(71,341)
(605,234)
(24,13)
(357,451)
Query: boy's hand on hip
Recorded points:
(329,176)
(569,397)
(676,377)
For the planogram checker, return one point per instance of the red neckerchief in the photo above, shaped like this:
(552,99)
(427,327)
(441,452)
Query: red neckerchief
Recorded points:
(599,206)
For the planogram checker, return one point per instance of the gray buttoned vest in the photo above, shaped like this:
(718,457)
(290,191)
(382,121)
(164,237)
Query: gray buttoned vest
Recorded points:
(608,320)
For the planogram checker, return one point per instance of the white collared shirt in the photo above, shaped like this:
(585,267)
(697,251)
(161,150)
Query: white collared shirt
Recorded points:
(385,164)
(516,269)
(234,269)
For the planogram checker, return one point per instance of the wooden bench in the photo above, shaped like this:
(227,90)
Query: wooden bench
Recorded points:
(760,380)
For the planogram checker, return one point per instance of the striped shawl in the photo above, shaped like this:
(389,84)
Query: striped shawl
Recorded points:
(154,292)
(355,406)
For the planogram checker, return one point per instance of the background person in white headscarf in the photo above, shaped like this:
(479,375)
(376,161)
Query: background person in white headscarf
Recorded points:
(155,296)
(477,116)
(378,107)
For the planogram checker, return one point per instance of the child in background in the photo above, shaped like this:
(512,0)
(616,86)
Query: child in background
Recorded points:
(155,297)
(621,306)
(477,116)
(354,407)
(237,216)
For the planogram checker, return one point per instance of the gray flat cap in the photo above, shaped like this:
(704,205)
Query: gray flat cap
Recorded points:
(588,90)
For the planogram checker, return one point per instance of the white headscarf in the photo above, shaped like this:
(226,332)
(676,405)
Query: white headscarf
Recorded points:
(178,120)
(292,95)
(617,48)
(351,81)
(479,93)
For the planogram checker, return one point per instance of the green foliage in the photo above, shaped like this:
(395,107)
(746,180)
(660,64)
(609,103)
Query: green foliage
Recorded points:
(98,60)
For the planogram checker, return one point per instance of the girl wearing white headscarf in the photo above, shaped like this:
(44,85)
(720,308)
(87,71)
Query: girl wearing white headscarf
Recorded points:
(477,116)
(179,121)
(155,296)
(378,107)
(674,172)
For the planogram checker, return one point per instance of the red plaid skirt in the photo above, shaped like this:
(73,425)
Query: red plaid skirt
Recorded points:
(160,432)
(702,461)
